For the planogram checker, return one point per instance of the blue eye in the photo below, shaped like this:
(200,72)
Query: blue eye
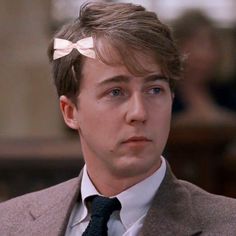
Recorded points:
(155,90)
(116,92)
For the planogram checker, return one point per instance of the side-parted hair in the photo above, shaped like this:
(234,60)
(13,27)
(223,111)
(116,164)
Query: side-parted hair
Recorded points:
(125,28)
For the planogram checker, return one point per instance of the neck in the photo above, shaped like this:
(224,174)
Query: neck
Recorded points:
(109,184)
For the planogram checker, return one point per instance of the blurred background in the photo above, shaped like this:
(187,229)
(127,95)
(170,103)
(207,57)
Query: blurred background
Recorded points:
(38,150)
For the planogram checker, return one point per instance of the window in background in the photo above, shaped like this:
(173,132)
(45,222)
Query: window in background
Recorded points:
(221,11)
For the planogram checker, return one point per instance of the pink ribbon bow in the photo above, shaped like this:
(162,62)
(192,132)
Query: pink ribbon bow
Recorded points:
(63,47)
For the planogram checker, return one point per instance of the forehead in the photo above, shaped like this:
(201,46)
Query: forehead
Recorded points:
(96,69)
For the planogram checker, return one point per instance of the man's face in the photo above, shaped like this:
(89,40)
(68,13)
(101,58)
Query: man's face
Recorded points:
(123,120)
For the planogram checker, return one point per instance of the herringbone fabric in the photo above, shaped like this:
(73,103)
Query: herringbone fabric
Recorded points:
(179,208)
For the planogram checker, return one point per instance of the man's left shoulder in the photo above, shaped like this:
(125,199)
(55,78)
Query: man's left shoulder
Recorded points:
(211,206)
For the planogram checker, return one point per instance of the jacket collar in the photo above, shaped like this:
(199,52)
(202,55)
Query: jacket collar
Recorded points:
(171,212)
(50,213)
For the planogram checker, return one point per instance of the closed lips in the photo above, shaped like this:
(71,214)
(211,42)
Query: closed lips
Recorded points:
(137,139)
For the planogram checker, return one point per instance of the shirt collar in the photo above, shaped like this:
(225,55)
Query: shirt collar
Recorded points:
(135,201)
(87,190)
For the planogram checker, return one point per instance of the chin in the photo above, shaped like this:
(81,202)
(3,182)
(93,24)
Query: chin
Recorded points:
(136,168)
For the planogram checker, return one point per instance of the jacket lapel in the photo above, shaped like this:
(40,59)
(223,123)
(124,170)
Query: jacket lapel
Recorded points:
(51,215)
(171,212)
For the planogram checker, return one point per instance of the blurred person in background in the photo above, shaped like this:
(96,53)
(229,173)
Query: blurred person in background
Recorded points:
(199,99)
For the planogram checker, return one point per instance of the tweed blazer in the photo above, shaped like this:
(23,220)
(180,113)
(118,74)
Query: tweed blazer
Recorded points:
(178,209)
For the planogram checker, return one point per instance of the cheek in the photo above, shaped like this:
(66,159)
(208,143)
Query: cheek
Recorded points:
(163,109)
(96,121)
(163,124)
(162,120)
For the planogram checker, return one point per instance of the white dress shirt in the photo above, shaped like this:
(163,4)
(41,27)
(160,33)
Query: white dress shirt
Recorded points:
(135,202)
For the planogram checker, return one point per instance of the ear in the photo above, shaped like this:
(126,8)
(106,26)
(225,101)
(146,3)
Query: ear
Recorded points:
(69,112)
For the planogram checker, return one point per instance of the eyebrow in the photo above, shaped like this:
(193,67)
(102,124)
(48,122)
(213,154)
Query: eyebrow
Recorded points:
(154,77)
(126,79)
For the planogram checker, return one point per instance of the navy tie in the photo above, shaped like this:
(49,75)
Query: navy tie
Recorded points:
(102,208)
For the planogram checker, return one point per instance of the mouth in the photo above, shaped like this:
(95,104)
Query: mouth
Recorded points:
(137,140)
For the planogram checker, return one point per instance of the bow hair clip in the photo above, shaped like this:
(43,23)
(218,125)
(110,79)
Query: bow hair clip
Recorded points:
(63,47)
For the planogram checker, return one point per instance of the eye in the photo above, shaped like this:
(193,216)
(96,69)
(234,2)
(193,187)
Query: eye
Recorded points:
(116,92)
(155,90)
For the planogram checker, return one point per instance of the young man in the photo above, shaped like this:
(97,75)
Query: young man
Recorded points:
(115,68)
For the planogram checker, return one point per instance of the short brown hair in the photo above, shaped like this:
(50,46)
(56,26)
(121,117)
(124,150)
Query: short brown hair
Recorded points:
(124,27)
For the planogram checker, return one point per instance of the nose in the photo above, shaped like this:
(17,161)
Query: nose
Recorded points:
(136,110)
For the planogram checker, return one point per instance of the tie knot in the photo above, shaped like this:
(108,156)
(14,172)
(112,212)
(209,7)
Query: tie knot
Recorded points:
(104,206)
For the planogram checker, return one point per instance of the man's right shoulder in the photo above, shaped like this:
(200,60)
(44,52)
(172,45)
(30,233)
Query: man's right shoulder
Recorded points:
(47,196)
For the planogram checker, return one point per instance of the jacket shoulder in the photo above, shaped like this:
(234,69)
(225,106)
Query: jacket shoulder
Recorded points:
(211,209)
(17,210)
(49,193)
